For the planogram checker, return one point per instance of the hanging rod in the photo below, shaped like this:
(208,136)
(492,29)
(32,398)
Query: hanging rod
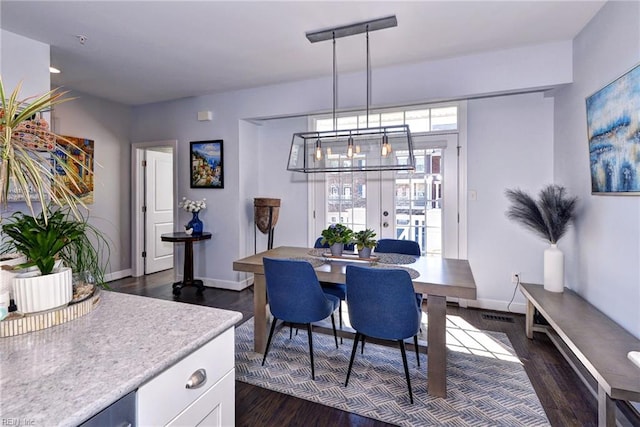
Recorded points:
(352,29)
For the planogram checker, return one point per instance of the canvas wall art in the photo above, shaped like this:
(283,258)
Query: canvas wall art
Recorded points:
(613,126)
(77,155)
(207,168)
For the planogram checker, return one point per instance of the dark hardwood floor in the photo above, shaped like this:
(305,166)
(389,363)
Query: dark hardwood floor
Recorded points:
(565,399)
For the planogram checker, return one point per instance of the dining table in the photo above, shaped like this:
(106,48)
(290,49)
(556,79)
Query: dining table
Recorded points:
(435,277)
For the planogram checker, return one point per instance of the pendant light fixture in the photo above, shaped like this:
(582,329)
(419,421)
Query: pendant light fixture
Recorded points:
(346,150)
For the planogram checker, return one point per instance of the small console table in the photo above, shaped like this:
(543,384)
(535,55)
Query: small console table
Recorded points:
(187,275)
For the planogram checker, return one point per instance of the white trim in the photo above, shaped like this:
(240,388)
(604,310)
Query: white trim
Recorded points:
(496,305)
(115,275)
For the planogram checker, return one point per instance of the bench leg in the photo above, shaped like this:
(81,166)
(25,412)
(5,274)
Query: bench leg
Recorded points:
(529,319)
(606,409)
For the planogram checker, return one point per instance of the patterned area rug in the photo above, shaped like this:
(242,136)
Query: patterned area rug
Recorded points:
(486,383)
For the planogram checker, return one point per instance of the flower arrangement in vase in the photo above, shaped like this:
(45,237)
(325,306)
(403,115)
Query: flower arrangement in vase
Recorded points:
(193,206)
(549,218)
(336,236)
(365,242)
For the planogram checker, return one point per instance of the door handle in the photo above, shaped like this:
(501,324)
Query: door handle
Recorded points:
(385,224)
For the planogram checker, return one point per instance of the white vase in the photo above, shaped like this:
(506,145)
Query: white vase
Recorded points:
(553,269)
(35,292)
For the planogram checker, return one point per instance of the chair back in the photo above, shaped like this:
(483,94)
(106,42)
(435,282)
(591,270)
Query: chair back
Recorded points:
(319,244)
(293,291)
(406,247)
(382,303)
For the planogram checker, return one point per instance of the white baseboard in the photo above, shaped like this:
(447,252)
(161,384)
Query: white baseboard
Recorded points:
(498,305)
(223,284)
(117,275)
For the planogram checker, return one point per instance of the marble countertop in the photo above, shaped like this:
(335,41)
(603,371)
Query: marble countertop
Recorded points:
(65,374)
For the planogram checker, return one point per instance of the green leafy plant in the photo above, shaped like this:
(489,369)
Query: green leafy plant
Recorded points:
(27,148)
(548,217)
(336,233)
(80,245)
(365,239)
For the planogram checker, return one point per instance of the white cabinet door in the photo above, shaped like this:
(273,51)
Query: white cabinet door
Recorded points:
(215,408)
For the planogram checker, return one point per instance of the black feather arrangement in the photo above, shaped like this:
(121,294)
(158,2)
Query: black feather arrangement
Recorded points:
(548,217)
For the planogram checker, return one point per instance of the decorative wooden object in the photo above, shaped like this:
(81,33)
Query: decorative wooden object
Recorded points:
(266,212)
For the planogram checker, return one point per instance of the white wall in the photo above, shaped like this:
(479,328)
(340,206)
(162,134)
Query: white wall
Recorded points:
(603,259)
(107,124)
(510,145)
(470,76)
(24,60)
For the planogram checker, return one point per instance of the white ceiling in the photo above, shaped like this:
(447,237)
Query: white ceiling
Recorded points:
(139,52)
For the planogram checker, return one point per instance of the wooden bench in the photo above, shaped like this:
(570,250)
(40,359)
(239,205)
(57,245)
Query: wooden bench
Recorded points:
(597,342)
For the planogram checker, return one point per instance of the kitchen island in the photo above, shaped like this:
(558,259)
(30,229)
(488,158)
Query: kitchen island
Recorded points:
(66,374)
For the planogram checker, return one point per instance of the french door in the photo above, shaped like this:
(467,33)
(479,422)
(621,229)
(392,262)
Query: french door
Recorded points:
(420,205)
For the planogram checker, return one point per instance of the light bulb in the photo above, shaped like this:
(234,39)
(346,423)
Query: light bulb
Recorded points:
(328,151)
(357,149)
(318,150)
(384,150)
(350,147)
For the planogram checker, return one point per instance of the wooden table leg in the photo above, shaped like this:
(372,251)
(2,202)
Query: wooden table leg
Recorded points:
(528,325)
(436,345)
(259,313)
(606,409)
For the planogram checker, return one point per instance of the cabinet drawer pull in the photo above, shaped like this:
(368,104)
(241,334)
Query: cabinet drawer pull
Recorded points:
(198,379)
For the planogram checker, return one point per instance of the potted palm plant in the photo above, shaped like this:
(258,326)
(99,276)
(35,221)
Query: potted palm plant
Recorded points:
(549,218)
(28,150)
(365,242)
(336,236)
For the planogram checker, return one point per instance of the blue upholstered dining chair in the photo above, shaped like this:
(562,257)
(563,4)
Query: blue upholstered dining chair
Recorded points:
(405,247)
(382,305)
(336,289)
(295,297)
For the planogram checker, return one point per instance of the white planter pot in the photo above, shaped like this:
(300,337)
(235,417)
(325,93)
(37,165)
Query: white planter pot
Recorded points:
(34,292)
(336,249)
(553,269)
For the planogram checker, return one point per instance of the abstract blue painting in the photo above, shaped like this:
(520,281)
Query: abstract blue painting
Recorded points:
(613,126)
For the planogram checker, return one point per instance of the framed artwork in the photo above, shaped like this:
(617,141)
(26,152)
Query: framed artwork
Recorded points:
(207,164)
(77,155)
(613,130)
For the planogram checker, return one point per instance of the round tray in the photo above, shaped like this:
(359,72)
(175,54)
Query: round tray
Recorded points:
(18,324)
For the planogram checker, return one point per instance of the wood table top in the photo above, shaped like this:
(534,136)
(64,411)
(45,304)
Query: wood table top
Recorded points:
(438,276)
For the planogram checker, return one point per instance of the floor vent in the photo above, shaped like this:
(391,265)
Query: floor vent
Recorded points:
(498,317)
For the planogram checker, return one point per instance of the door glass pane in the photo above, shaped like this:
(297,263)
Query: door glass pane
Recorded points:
(347,199)
(418,202)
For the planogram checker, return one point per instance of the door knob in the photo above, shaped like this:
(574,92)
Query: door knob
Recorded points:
(385,224)
(385,213)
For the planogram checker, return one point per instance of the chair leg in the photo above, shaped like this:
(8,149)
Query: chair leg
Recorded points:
(313,374)
(291,330)
(340,316)
(335,334)
(415,343)
(406,368)
(362,348)
(353,356)
(266,351)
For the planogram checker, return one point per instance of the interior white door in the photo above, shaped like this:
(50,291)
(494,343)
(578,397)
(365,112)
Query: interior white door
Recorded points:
(159,210)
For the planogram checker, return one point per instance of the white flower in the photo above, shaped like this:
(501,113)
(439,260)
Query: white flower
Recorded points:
(191,205)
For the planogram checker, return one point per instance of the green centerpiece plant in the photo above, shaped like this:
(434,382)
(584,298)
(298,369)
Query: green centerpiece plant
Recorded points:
(336,236)
(365,241)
